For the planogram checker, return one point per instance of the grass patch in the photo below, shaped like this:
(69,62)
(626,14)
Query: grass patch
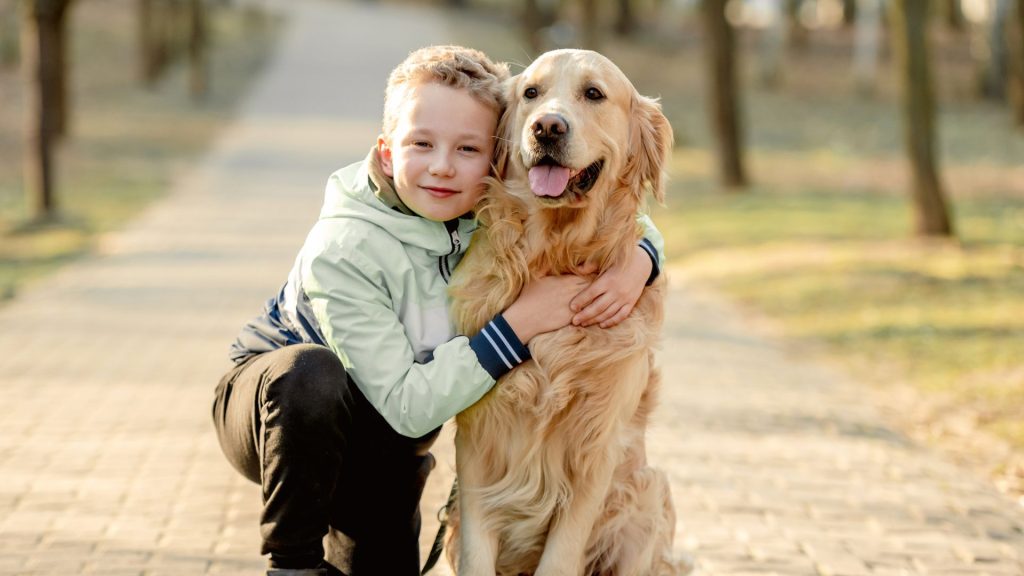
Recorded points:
(127,143)
(839,269)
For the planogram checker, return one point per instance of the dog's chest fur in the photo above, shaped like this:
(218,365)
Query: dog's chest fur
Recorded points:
(571,403)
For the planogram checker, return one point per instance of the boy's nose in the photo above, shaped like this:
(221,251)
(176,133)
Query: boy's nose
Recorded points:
(442,165)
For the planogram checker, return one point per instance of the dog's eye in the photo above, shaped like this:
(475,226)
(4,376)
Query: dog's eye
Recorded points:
(593,94)
(530,93)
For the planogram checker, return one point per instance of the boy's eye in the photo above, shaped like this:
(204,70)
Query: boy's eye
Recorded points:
(421,144)
(593,94)
(530,93)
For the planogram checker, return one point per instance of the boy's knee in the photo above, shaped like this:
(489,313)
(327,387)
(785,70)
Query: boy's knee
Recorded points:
(309,380)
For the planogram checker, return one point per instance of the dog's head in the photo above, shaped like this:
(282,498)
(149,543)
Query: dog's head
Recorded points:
(576,129)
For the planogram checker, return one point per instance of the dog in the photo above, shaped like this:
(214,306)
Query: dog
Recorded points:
(553,477)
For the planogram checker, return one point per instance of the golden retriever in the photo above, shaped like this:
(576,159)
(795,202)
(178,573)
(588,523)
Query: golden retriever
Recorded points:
(553,477)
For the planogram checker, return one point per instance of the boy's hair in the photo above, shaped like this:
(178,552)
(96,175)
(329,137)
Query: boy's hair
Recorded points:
(453,66)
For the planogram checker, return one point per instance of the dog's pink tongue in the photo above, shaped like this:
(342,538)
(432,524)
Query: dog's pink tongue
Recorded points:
(548,180)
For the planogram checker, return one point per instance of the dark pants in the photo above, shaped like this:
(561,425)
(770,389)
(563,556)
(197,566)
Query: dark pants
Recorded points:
(292,421)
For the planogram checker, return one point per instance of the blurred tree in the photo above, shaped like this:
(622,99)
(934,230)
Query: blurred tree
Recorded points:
(1016,89)
(61,97)
(42,61)
(198,68)
(799,36)
(169,30)
(160,25)
(849,12)
(952,14)
(8,33)
(867,46)
(625,21)
(150,54)
(720,49)
(994,57)
(910,43)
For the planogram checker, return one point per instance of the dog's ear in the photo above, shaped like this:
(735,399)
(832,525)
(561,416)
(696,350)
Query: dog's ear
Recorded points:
(504,138)
(650,142)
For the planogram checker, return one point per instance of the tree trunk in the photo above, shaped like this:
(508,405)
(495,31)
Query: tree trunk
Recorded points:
(994,68)
(8,33)
(952,14)
(39,64)
(867,46)
(625,23)
(61,104)
(160,23)
(198,69)
(149,59)
(798,35)
(909,18)
(849,12)
(723,93)
(1016,91)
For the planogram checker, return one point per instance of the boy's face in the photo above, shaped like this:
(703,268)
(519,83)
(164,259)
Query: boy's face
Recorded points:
(440,150)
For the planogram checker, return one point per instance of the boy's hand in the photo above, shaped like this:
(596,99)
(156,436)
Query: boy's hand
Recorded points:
(543,306)
(610,298)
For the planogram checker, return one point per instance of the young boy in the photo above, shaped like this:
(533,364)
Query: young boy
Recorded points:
(341,386)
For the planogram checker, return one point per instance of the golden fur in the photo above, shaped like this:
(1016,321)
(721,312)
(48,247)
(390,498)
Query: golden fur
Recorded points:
(552,467)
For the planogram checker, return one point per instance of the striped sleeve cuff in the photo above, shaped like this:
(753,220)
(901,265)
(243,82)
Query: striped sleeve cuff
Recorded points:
(653,253)
(498,348)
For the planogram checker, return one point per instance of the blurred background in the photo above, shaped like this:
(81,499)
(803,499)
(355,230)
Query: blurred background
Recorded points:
(850,171)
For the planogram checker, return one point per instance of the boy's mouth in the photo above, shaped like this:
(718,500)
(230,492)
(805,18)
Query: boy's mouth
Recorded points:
(440,192)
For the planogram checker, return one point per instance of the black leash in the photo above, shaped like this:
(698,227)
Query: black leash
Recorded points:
(442,516)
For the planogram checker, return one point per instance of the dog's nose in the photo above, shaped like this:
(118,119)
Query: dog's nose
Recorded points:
(550,127)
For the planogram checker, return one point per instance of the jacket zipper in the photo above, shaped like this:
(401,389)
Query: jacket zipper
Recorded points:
(452,226)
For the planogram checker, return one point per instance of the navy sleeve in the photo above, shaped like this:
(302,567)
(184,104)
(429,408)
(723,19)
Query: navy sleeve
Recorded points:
(498,348)
(653,253)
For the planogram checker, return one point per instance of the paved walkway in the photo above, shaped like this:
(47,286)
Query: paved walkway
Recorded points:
(108,463)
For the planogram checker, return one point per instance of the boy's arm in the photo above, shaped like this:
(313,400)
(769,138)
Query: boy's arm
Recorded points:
(358,322)
(610,298)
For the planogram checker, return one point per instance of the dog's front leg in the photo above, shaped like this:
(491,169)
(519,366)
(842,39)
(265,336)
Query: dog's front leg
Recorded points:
(566,548)
(567,540)
(478,542)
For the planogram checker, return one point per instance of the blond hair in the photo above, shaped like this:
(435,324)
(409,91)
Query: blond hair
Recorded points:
(453,66)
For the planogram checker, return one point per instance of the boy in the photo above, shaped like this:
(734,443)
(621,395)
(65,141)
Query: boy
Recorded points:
(341,386)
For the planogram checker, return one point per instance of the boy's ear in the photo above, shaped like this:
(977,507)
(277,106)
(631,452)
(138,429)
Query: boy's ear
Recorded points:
(384,152)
